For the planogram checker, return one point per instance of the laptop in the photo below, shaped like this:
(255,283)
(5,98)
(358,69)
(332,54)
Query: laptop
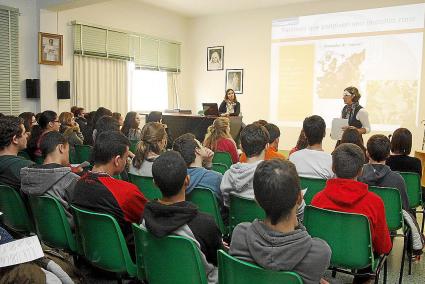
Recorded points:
(210,109)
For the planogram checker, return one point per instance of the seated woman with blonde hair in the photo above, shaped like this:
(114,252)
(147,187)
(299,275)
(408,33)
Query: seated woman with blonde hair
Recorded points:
(218,138)
(152,143)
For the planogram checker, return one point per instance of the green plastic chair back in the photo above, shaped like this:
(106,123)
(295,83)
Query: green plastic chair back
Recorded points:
(347,234)
(38,160)
(223,158)
(146,186)
(220,168)
(83,153)
(234,271)
(15,214)
(73,157)
(206,201)
(392,203)
(414,192)
(170,260)
(243,209)
(313,185)
(51,223)
(102,242)
(133,145)
(24,154)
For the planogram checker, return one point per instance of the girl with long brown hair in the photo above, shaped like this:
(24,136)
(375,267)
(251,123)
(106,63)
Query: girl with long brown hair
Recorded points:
(153,141)
(218,138)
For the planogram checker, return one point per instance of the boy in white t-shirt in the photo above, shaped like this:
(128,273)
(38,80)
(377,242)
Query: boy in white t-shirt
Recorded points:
(312,161)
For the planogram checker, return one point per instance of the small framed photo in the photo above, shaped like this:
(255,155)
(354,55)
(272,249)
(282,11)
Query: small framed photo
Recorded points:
(215,58)
(234,80)
(50,48)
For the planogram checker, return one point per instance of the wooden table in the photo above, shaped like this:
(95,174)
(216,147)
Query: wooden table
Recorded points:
(179,124)
(421,156)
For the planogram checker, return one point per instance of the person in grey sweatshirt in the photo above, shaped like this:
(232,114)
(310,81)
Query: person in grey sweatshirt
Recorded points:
(238,179)
(280,242)
(54,178)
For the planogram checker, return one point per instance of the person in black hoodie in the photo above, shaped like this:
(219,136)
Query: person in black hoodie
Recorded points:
(173,215)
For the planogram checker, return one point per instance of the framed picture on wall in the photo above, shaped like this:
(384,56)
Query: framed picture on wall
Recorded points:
(50,48)
(234,80)
(215,58)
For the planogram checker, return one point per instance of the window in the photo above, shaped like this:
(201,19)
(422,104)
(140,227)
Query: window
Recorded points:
(148,90)
(9,61)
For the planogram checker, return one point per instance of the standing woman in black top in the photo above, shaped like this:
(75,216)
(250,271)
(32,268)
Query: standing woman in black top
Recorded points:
(230,105)
(357,116)
(401,145)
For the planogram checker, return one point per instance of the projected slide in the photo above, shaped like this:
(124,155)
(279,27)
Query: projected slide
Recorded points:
(379,51)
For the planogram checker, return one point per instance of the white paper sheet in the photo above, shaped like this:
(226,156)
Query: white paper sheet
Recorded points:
(20,251)
(337,125)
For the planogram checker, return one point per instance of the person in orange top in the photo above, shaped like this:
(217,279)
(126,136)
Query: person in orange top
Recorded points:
(271,151)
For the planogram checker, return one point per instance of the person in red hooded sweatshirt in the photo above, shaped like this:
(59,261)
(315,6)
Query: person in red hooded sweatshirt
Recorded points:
(344,193)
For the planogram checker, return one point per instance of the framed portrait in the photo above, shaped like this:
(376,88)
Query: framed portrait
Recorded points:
(50,48)
(215,58)
(234,80)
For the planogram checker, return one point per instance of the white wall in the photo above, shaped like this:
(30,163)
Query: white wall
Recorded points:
(246,39)
(28,38)
(128,15)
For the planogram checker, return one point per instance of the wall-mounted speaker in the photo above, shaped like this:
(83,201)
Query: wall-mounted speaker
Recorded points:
(63,90)
(33,88)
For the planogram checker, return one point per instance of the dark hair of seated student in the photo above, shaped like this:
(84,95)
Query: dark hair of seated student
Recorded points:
(347,160)
(108,145)
(314,129)
(277,188)
(378,147)
(254,139)
(169,172)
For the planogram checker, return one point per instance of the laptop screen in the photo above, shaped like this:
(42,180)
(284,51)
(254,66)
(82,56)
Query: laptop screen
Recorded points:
(210,109)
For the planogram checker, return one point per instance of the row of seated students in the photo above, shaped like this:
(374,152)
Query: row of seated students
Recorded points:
(176,174)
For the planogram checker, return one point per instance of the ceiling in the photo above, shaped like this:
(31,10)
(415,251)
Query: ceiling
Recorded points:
(196,8)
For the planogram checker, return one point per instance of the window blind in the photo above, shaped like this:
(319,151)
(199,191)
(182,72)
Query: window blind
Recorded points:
(147,52)
(9,61)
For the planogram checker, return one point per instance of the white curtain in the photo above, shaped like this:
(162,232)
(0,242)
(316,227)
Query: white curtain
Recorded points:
(100,82)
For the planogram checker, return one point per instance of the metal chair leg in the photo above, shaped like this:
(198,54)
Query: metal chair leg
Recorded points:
(385,272)
(405,241)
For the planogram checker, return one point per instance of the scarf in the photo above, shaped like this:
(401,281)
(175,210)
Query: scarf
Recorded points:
(348,111)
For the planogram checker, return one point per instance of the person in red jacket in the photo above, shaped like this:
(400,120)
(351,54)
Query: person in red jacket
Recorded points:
(344,193)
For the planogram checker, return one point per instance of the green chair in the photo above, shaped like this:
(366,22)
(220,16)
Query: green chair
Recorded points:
(313,186)
(24,154)
(83,153)
(351,247)
(16,215)
(51,223)
(234,271)
(169,260)
(220,168)
(103,243)
(38,160)
(414,193)
(206,201)
(394,216)
(243,209)
(133,145)
(223,158)
(146,186)
(72,156)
